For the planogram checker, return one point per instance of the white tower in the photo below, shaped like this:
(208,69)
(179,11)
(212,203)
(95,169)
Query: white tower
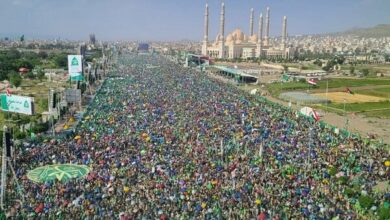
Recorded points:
(251,23)
(221,40)
(206,30)
(267,18)
(284,35)
(259,45)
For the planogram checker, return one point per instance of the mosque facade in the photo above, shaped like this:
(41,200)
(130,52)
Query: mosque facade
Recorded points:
(238,45)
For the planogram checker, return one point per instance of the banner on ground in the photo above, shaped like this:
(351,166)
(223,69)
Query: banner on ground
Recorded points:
(17,104)
(75,67)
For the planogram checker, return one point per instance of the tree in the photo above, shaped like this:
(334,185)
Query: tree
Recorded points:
(318,62)
(387,57)
(285,68)
(15,79)
(24,63)
(352,70)
(43,55)
(30,75)
(43,103)
(61,60)
(339,59)
(13,54)
(40,73)
(365,72)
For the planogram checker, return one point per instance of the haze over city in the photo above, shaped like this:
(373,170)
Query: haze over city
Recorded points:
(177,19)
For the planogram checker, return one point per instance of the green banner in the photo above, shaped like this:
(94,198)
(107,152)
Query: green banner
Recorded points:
(18,104)
(60,172)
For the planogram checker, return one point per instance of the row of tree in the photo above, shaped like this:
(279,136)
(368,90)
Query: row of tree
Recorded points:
(12,60)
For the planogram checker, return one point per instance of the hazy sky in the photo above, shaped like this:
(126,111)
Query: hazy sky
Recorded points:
(180,19)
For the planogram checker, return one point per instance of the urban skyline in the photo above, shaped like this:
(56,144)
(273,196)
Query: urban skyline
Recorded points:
(177,20)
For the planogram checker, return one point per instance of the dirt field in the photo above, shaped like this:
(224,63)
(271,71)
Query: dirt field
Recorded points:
(339,97)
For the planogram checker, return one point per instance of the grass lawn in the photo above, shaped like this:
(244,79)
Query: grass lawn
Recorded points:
(379,92)
(348,82)
(361,107)
(373,68)
(379,114)
(368,109)
(276,88)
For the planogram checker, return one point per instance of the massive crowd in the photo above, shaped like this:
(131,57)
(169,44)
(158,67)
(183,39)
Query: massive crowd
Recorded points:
(172,143)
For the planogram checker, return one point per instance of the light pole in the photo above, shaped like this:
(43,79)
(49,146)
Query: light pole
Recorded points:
(3,169)
(345,115)
(327,81)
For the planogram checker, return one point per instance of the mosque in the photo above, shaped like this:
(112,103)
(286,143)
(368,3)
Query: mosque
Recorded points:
(239,45)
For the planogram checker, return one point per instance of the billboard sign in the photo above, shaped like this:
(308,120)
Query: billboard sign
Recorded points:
(17,104)
(73,95)
(75,67)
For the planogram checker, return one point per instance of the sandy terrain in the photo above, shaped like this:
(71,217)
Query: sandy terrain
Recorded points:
(339,97)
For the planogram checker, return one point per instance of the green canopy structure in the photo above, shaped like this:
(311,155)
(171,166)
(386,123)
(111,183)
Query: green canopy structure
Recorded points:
(61,172)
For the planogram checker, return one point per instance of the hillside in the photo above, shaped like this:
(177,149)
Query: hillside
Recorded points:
(381,30)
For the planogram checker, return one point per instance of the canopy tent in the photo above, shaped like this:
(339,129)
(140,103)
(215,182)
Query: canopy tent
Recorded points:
(307,111)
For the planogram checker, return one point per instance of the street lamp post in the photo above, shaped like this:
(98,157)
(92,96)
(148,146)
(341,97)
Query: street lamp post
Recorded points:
(3,169)
(345,116)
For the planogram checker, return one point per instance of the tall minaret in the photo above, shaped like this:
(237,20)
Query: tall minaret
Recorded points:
(251,23)
(221,40)
(206,30)
(259,45)
(266,38)
(284,35)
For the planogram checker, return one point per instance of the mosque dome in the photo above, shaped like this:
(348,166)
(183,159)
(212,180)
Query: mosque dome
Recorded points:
(253,38)
(238,35)
(218,38)
(229,38)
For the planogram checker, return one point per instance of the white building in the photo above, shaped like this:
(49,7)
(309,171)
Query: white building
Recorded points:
(239,45)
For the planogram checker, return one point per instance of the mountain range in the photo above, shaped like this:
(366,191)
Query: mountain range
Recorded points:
(381,30)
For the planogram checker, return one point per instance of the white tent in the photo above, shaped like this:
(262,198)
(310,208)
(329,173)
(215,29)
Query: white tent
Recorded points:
(310,112)
(307,111)
(253,91)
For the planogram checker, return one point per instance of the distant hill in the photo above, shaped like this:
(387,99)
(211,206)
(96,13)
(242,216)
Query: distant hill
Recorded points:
(381,30)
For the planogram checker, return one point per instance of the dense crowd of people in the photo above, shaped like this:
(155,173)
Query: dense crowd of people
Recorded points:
(168,142)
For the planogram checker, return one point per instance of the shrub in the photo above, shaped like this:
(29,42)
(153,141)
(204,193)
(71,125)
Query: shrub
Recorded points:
(15,79)
(19,135)
(42,127)
(384,213)
(366,201)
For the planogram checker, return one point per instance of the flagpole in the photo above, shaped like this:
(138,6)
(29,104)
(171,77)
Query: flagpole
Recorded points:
(345,116)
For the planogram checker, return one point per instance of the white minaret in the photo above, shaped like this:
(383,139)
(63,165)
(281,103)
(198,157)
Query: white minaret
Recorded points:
(266,38)
(251,23)
(284,35)
(206,30)
(221,40)
(259,45)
